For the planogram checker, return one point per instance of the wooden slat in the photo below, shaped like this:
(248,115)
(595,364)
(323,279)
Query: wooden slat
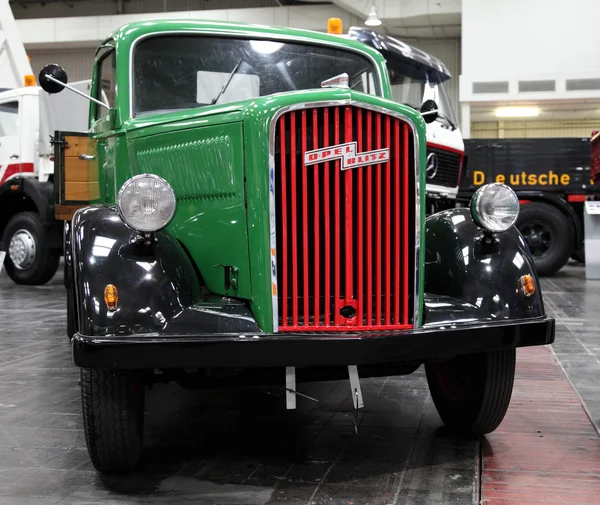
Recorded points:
(75,146)
(65,212)
(77,170)
(82,191)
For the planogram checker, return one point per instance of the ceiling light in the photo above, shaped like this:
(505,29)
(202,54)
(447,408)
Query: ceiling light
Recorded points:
(517,112)
(373,18)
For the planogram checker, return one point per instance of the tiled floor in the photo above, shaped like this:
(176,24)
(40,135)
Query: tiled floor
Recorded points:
(575,303)
(546,450)
(241,446)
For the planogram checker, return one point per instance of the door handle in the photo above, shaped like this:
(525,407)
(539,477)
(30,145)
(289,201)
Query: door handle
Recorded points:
(87,157)
(14,156)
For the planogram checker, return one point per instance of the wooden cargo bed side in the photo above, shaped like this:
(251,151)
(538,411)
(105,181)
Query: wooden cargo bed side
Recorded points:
(76,178)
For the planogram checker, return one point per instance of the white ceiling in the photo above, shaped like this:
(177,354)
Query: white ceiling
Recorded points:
(427,26)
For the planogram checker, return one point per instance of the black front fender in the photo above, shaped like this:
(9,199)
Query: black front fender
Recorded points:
(461,265)
(155,281)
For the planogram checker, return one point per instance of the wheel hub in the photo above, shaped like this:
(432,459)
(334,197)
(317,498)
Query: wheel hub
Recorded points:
(454,377)
(534,239)
(539,238)
(21,249)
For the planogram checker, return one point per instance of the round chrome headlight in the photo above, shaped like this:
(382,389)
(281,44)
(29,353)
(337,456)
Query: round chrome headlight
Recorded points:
(146,202)
(495,207)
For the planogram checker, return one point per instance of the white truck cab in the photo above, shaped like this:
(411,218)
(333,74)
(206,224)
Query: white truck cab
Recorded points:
(416,77)
(30,236)
(28,119)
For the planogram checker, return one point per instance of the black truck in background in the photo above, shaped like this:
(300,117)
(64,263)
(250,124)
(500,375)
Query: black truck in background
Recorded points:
(551,177)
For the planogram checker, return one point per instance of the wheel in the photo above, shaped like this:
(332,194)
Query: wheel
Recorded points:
(29,260)
(113,418)
(549,234)
(472,392)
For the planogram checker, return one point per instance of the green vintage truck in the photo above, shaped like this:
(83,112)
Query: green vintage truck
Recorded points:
(248,206)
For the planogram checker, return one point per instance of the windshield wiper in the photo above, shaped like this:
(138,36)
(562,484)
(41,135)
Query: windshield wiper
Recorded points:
(226,85)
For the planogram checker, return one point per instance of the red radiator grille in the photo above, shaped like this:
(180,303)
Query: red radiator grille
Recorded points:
(345,237)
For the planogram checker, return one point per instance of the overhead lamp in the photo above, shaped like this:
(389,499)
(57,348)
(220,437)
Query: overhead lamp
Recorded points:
(517,112)
(373,18)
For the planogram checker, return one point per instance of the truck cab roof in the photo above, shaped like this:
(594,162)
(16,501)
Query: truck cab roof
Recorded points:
(17,92)
(130,32)
(402,55)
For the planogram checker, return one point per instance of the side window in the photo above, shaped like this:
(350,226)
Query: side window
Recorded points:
(9,116)
(107,76)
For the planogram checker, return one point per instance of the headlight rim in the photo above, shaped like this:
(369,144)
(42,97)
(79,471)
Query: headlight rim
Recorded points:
(145,176)
(476,211)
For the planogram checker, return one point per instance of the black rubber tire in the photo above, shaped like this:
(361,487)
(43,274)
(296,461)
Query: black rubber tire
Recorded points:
(579,255)
(472,392)
(113,418)
(45,263)
(560,228)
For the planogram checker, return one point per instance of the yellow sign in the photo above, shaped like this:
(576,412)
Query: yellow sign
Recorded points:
(525,179)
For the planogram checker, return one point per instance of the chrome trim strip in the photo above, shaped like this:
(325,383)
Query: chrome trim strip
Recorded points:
(253,36)
(442,190)
(273,227)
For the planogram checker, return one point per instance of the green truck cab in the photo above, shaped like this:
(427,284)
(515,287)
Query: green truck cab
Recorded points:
(248,202)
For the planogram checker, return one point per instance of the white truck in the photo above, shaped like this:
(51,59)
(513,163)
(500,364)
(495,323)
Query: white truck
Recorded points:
(417,77)
(30,236)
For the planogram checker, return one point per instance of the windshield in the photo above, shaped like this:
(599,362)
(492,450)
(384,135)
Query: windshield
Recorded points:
(183,71)
(414,91)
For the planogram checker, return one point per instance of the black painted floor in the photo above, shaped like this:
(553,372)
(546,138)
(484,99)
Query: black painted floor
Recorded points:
(241,446)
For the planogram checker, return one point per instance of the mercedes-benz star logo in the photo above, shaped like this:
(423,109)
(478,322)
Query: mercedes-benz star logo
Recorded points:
(431,166)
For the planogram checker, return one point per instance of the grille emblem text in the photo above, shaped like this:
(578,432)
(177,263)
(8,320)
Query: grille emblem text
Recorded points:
(347,153)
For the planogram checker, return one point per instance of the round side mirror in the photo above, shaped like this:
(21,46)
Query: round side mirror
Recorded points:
(429,110)
(58,73)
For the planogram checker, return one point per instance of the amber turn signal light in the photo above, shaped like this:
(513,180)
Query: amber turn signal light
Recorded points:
(29,80)
(527,285)
(334,25)
(111,296)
